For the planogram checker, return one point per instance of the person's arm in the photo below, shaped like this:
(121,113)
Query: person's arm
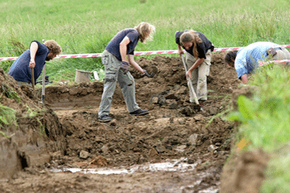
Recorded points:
(123,48)
(198,62)
(33,49)
(244,79)
(180,50)
(134,64)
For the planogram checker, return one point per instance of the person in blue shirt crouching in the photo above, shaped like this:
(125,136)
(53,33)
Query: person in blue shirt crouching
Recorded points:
(246,60)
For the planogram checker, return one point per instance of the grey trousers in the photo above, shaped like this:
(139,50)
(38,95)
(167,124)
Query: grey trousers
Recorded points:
(282,54)
(114,74)
(199,75)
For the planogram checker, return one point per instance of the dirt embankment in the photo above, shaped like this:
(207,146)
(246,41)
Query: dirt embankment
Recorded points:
(68,134)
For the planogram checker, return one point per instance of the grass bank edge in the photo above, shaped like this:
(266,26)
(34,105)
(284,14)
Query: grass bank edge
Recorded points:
(264,122)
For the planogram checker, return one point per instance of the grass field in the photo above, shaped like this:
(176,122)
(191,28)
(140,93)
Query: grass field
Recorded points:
(87,26)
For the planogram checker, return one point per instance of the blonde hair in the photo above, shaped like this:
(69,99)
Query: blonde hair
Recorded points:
(191,36)
(53,46)
(147,28)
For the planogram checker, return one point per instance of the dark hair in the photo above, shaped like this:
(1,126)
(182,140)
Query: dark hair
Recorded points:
(53,46)
(230,56)
(191,36)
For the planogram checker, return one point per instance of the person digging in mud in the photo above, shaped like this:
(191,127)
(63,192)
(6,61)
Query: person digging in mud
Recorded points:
(198,50)
(116,65)
(246,60)
(35,58)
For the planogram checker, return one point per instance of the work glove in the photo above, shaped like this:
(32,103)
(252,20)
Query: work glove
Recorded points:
(124,66)
(147,74)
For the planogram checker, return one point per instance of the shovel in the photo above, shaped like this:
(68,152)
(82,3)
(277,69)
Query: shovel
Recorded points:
(32,80)
(43,85)
(32,77)
(189,84)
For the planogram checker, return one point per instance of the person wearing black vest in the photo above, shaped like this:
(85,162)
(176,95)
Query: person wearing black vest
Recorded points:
(198,50)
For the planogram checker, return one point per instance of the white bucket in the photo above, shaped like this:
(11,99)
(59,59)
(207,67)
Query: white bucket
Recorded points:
(96,76)
(82,76)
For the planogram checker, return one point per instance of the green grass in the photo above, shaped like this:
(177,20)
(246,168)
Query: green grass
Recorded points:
(265,122)
(87,26)
(7,116)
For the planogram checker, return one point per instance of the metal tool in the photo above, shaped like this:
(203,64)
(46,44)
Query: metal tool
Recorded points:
(32,81)
(32,77)
(189,83)
(43,86)
(148,75)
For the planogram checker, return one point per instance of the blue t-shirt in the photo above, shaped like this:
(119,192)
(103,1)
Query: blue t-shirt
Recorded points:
(20,70)
(247,58)
(114,45)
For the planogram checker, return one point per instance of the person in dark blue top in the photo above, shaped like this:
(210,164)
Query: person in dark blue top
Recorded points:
(34,57)
(116,65)
(198,51)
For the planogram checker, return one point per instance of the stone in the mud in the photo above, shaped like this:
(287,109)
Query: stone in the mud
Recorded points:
(153,152)
(186,111)
(193,139)
(171,96)
(154,100)
(173,105)
(180,148)
(160,148)
(183,90)
(213,111)
(73,91)
(99,161)
(211,148)
(140,126)
(176,87)
(84,154)
(168,147)
(105,149)
(98,139)
(161,100)
(198,117)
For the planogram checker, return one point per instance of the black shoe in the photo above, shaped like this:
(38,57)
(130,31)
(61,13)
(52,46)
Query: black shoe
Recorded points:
(139,112)
(105,118)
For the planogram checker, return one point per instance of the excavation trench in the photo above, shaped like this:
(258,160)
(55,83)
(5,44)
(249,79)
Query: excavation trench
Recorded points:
(175,148)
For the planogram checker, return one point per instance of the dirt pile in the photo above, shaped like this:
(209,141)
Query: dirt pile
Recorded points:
(175,128)
(28,141)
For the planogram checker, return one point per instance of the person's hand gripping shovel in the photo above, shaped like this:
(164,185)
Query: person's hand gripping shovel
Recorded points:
(31,66)
(189,84)
(43,86)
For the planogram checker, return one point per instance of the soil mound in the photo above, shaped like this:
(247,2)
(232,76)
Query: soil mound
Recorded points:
(28,141)
(174,128)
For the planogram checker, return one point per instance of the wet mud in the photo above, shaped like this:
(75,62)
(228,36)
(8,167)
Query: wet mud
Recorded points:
(65,133)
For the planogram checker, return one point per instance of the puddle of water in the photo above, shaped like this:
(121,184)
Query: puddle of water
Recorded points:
(174,165)
(179,165)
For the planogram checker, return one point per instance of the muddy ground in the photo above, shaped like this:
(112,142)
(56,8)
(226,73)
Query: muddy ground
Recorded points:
(65,133)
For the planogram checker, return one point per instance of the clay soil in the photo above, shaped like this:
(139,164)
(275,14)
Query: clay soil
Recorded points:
(72,137)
